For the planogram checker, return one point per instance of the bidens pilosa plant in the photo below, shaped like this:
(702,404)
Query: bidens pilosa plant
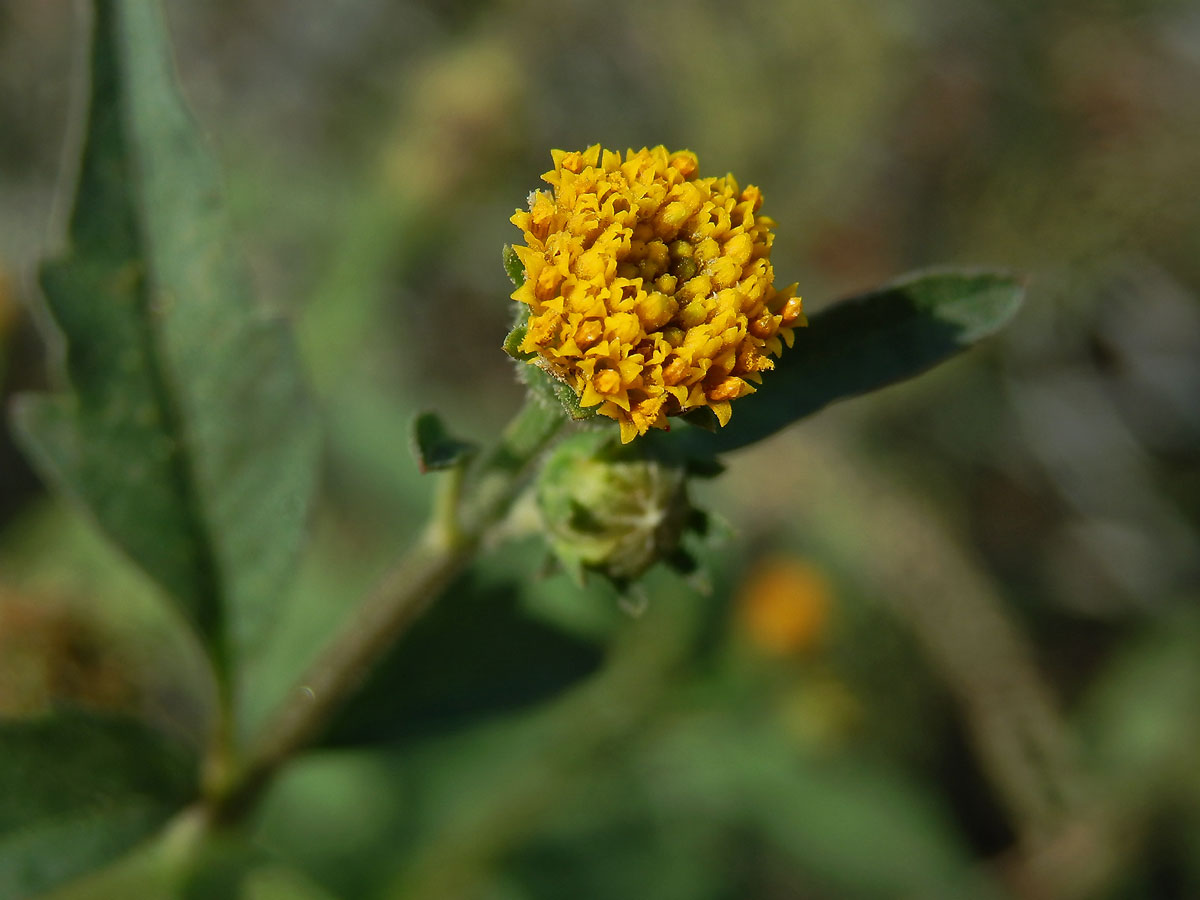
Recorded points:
(185,427)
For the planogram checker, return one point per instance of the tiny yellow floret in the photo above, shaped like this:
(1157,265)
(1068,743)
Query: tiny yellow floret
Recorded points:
(650,290)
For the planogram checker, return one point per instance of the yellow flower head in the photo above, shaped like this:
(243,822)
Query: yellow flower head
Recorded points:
(650,289)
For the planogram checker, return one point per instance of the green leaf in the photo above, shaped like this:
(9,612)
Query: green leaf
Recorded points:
(489,657)
(77,790)
(188,431)
(864,343)
(433,446)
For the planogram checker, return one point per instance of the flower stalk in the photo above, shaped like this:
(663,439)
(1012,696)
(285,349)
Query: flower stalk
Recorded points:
(471,501)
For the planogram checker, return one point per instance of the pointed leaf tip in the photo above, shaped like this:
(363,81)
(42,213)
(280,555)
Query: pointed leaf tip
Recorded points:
(433,446)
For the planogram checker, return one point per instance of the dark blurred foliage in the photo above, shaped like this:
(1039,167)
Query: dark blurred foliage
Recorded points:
(991,683)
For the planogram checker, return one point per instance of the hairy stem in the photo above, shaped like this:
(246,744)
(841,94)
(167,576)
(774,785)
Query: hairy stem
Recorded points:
(404,593)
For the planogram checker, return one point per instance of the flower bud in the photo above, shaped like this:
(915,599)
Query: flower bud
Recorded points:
(611,510)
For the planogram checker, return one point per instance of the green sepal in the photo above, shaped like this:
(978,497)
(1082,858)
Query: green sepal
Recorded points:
(712,529)
(434,447)
(516,337)
(704,467)
(701,577)
(703,532)
(512,266)
(582,519)
(554,390)
(572,566)
(682,561)
(699,522)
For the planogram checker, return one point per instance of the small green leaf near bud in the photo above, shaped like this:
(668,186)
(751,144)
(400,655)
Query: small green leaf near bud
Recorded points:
(434,447)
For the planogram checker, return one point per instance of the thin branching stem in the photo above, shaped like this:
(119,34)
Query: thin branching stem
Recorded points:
(481,495)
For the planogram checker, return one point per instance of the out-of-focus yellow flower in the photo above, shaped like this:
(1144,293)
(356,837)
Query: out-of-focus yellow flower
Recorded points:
(784,605)
(650,290)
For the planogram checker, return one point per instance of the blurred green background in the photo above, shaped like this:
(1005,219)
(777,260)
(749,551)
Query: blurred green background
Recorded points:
(952,644)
